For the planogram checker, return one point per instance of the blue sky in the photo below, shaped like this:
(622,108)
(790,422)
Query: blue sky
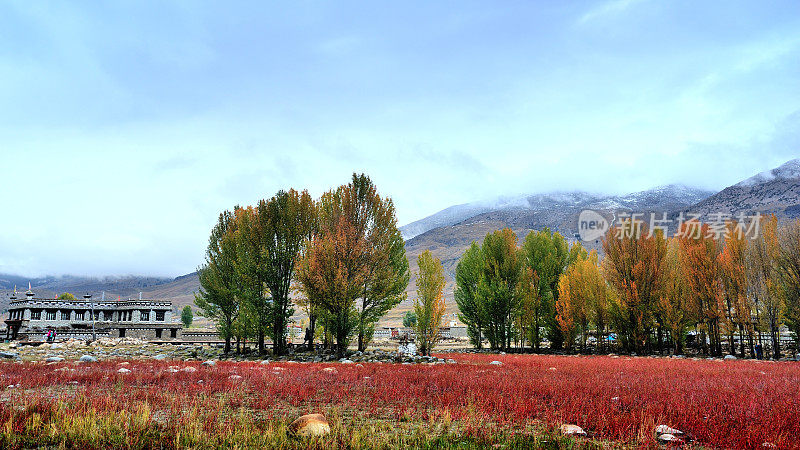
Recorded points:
(125,128)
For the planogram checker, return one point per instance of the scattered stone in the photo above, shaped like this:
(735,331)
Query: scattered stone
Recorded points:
(235,377)
(409,349)
(209,363)
(572,430)
(124,363)
(87,359)
(667,437)
(160,357)
(729,358)
(123,370)
(666,429)
(310,425)
(9,355)
(330,370)
(189,369)
(54,359)
(496,363)
(552,368)
(345,361)
(451,361)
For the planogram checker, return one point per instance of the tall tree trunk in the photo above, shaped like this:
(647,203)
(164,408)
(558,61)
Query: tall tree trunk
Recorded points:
(776,339)
(312,322)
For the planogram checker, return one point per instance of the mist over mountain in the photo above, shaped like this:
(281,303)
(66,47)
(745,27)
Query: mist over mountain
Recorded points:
(515,209)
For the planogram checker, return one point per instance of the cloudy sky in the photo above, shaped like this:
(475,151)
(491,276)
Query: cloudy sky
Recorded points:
(126,128)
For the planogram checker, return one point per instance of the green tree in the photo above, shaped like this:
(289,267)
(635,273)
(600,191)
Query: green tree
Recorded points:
(386,265)
(471,310)
(429,305)
(410,319)
(216,298)
(66,296)
(547,255)
(284,223)
(497,289)
(256,305)
(186,316)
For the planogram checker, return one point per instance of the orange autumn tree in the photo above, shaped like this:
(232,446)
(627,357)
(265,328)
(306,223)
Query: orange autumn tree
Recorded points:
(701,265)
(633,268)
(734,284)
(332,274)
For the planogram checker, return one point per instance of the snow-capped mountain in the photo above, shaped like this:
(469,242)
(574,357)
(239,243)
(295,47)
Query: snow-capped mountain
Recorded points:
(774,191)
(787,171)
(662,198)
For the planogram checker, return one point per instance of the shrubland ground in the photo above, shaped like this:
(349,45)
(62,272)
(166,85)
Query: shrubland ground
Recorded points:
(518,403)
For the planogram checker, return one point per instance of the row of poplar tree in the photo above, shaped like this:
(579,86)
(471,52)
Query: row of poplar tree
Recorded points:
(648,289)
(340,257)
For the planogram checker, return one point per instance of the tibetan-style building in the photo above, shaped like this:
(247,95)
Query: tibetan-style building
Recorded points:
(30,318)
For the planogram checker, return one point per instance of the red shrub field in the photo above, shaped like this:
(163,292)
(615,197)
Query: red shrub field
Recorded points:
(618,401)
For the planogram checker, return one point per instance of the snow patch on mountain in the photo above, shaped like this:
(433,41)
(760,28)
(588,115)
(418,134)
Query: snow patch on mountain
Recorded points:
(787,171)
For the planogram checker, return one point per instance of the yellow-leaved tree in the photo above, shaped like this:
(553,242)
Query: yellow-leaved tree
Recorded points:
(429,304)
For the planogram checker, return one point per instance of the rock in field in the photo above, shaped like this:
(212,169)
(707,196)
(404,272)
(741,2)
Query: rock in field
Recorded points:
(729,357)
(572,430)
(123,370)
(88,359)
(496,363)
(310,425)
(54,359)
(189,369)
(665,429)
(9,355)
(667,437)
(209,363)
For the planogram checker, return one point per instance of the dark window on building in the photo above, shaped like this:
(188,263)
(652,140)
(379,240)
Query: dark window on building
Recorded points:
(173,333)
(51,315)
(122,332)
(158,333)
(108,315)
(64,315)
(36,314)
(160,316)
(144,315)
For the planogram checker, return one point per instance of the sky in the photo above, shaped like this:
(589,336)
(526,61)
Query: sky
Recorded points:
(126,127)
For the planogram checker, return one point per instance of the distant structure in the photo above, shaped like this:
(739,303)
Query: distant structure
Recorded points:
(30,318)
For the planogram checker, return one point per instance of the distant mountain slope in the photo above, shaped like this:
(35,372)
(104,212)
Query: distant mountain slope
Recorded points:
(775,191)
(666,198)
(447,216)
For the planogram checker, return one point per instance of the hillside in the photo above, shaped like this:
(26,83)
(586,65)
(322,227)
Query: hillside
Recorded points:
(775,191)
